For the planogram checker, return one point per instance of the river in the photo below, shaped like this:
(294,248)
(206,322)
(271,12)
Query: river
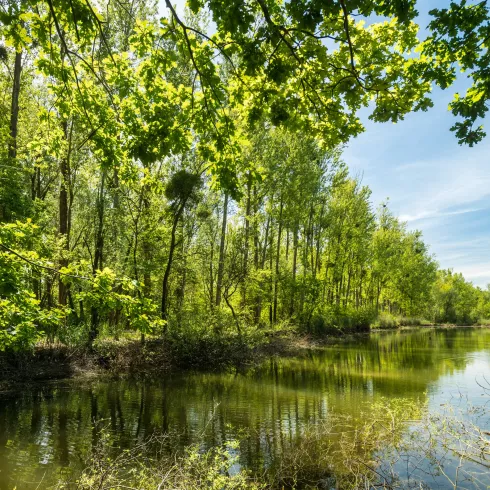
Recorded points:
(49,429)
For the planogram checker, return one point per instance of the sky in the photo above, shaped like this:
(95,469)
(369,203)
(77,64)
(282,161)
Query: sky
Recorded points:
(432,183)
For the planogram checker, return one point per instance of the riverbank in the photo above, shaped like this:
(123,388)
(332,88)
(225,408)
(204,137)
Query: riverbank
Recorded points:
(129,357)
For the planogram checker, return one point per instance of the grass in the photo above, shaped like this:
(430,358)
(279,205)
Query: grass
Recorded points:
(387,321)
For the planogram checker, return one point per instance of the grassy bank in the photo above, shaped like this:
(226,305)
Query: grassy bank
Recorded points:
(128,355)
(197,350)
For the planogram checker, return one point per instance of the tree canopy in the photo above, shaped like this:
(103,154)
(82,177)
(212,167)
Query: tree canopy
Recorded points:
(156,169)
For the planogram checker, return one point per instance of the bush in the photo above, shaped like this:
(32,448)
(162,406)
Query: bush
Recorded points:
(387,320)
(146,468)
(337,321)
(210,350)
(410,322)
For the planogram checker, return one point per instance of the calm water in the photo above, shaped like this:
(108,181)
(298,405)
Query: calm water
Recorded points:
(50,429)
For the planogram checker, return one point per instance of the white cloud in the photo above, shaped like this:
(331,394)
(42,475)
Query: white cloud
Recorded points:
(433,184)
(437,214)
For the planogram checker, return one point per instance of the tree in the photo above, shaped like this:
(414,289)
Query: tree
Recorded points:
(181,192)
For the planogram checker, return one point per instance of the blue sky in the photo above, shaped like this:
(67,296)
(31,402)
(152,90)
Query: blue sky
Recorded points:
(432,183)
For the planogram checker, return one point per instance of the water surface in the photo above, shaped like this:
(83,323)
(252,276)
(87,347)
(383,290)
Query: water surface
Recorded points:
(50,429)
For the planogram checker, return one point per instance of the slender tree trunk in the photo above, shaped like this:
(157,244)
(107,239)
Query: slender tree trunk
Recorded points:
(14,112)
(146,246)
(247,237)
(166,276)
(266,241)
(7,214)
(64,215)
(258,299)
(278,250)
(98,256)
(295,266)
(257,311)
(287,245)
(359,295)
(271,284)
(211,276)
(235,317)
(340,287)
(183,279)
(146,275)
(347,293)
(221,264)
(318,243)
(310,246)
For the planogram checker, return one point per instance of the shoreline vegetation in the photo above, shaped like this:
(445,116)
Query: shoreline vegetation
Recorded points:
(130,357)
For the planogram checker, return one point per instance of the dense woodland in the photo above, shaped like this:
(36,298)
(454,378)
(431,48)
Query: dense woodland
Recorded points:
(185,174)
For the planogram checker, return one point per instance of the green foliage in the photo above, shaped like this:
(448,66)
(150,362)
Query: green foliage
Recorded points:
(386,320)
(337,321)
(459,39)
(22,320)
(109,294)
(457,301)
(212,343)
(146,469)
(124,118)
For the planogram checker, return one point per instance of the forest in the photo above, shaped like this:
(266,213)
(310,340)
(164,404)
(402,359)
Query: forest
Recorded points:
(195,290)
(184,174)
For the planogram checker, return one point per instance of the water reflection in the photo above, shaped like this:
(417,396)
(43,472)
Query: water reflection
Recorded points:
(52,428)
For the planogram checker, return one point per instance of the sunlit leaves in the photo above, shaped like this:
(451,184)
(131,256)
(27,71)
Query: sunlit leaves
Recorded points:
(460,40)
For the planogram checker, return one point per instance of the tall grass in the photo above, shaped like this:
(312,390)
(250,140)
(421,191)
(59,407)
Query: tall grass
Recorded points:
(386,320)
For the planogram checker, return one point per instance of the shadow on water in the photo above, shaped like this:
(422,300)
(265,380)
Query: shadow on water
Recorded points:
(51,429)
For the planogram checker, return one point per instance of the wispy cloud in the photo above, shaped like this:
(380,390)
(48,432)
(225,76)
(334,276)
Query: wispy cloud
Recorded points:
(436,214)
(433,184)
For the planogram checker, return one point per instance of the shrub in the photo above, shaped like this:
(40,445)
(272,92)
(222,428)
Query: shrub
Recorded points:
(409,321)
(387,320)
(145,468)
(338,320)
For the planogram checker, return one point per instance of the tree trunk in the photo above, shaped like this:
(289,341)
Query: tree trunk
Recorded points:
(9,207)
(166,276)
(278,250)
(247,237)
(211,276)
(14,112)
(271,284)
(257,311)
(98,257)
(221,264)
(295,265)
(64,215)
